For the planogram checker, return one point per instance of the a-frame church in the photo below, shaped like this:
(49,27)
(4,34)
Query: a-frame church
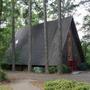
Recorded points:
(72,53)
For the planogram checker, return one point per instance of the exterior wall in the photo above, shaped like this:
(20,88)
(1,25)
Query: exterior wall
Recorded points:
(64,55)
(71,52)
(69,47)
(54,50)
(76,55)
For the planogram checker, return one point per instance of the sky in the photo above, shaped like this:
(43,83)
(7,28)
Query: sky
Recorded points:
(81,12)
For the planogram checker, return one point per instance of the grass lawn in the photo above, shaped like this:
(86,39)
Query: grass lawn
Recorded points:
(4,87)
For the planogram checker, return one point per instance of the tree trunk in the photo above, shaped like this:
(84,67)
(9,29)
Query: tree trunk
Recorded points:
(13,35)
(45,37)
(1,5)
(30,36)
(60,35)
(62,10)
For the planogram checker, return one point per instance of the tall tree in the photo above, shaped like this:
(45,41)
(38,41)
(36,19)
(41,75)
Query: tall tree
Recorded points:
(0,25)
(30,35)
(45,36)
(60,35)
(13,35)
(86,28)
(86,22)
(1,4)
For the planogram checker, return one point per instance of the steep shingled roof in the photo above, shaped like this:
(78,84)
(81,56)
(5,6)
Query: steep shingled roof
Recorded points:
(52,28)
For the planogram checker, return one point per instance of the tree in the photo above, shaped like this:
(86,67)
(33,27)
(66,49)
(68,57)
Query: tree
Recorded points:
(85,46)
(60,35)
(68,8)
(13,36)
(1,6)
(86,28)
(45,36)
(30,35)
(86,23)
(0,26)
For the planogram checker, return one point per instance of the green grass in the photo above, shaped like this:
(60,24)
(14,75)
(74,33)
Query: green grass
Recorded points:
(4,87)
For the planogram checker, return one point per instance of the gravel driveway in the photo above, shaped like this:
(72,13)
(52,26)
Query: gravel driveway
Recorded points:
(23,85)
(24,80)
(83,76)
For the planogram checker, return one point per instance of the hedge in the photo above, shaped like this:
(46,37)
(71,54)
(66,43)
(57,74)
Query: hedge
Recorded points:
(66,85)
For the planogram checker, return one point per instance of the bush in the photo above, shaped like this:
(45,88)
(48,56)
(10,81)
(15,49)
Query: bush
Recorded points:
(65,69)
(52,69)
(66,85)
(84,87)
(38,69)
(2,75)
(88,66)
(82,66)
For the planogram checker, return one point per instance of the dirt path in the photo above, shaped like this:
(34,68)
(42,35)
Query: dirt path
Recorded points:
(83,76)
(32,81)
(23,85)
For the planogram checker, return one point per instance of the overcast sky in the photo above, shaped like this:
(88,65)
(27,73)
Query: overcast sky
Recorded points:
(78,17)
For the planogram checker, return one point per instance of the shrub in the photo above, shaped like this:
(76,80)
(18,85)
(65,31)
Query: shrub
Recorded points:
(66,85)
(59,85)
(84,87)
(82,66)
(52,69)
(65,69)
(38,69)
(2,75)
(88,66)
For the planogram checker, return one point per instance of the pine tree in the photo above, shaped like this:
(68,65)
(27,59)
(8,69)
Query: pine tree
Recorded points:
(45,36)
(1,6)
(13,35)
(30,35)
(60,35)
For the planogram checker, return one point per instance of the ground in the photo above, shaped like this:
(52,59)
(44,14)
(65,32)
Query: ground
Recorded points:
(33,81)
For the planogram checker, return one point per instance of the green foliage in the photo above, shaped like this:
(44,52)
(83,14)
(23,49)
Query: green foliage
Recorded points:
(86,50)
(66,85)
(52,69)
(64,69)
(4,42)
(88,66)
(88,55)
(38,69)
(2,75)
(84,87)
(82,66)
